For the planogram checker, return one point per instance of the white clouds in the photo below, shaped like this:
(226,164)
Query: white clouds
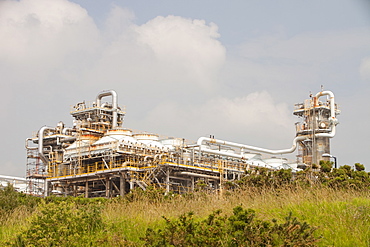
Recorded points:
(51,51)
(255,118)
(300,62)
(43,27)
(257,109)
(185,46)
(118,21)
(307,48)
(172,52)
(172,72)
(38,35)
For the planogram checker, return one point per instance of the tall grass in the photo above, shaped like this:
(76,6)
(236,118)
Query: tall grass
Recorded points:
(342,216)
(13,222)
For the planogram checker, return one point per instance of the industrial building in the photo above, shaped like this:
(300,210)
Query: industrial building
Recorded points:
(98,157)
(19,184)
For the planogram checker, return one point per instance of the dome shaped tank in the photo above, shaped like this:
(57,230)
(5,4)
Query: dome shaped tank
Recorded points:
(255,159)
(251,156)
(276,163)
(150,140)
(172,143)
(121,135)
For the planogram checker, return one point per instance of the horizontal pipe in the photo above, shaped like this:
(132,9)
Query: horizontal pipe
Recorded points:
(13,178)
(201,140)
(218,152)
(333,123)
(66,130)
(199,175)
(28,147)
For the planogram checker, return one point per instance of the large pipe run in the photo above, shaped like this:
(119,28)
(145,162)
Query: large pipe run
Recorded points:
(333,119)
(41,143)
(114,103)
(333,123)
(66,130)
(27,145)
(201,140)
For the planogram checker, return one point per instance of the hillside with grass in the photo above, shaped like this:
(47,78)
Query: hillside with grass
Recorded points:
(330,207)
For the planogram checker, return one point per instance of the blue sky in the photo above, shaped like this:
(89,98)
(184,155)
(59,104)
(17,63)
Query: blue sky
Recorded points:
(233,69)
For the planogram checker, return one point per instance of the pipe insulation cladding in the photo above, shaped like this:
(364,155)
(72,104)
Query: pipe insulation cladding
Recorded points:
(333,123)
(114,103)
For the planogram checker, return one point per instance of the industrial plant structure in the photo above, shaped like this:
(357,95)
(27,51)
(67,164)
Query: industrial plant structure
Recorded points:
(19,184)
(97,157)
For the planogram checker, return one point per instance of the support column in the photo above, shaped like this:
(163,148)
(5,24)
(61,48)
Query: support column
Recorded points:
(74,190)
(122,185)
(46,188)
(64,189)
(131,185)
(107,187)
(87,189)
(167,180)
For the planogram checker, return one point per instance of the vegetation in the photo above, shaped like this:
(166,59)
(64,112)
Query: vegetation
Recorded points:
(10,200)
(265,208)
(240,229)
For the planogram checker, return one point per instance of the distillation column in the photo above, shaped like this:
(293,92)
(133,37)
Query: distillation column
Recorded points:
(318,124)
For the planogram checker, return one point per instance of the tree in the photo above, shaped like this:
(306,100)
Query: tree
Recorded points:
(346,167)
(325,166)
(359,167)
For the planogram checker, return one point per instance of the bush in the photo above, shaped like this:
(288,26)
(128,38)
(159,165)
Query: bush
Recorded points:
(11,199)
(359,167)
(325,166)
(62,224)
(240,229)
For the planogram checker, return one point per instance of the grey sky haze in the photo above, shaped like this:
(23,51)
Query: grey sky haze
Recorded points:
(233,69)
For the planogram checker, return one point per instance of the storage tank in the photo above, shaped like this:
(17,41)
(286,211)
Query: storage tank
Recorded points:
(251,156)
(150,140)
(172,143)
(276,163)
(255,159)
(117,135)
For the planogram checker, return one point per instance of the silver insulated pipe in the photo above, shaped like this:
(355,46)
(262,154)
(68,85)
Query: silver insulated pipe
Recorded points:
(333,120)
(114,103)
(296,140)
(41,144)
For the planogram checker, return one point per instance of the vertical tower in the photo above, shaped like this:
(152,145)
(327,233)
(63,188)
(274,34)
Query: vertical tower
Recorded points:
(318,121)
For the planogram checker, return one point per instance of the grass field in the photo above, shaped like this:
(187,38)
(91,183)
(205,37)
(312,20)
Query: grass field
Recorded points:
(342,216)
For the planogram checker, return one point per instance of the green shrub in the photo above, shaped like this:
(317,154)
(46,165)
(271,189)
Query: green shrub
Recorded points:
(11,199)
(325,166)
(62,224)
(359,167)
(240,229)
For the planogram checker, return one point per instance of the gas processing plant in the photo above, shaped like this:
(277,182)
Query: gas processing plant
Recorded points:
(97,157)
